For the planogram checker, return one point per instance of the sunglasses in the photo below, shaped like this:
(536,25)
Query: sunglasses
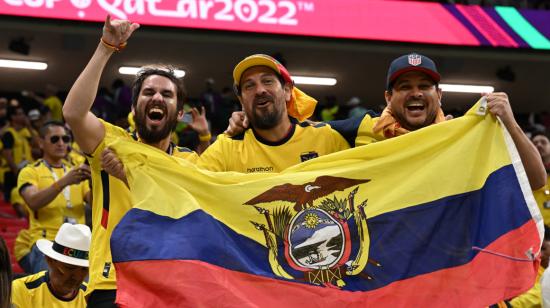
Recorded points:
(55,139)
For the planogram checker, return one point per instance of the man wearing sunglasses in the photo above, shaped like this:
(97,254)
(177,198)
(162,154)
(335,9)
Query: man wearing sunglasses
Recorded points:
(53,190)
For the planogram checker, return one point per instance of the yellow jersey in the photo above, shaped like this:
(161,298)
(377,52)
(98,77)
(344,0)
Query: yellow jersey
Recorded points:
(68,206)
(56,107)
(111,200)
(249,153)
(33,291)
(19,142)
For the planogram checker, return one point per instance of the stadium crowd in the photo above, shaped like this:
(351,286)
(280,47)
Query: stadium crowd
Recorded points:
(54,175)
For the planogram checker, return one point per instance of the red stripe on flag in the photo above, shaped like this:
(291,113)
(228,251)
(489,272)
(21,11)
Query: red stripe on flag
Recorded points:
(104,218)
(486,280)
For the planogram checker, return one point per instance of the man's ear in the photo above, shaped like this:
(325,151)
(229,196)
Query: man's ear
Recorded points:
(387,96)
(41,143)
(288,87)
(181,113)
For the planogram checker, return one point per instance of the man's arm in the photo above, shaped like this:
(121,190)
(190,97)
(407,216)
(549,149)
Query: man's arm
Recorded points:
(200,125)
(88,130)
(499,105)
(37,199)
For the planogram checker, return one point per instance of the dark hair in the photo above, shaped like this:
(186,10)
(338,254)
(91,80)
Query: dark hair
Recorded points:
(46,127)
(237,88)
(5,275)
(165,71)
(12,110)
(540,133)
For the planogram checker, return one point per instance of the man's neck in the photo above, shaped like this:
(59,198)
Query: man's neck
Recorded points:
(54,162)
(277,133)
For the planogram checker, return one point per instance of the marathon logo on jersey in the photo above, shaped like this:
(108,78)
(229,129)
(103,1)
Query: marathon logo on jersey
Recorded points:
(415,60)
(309,155)
(259,169)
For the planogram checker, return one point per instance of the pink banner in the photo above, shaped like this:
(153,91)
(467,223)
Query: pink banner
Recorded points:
(404,21)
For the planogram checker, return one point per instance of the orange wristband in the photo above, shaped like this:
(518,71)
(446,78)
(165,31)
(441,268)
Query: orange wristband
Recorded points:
(56,186)
(118,48)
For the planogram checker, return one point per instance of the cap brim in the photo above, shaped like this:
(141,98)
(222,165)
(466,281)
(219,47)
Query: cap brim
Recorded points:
(46,247)
(434,76)
(251,61)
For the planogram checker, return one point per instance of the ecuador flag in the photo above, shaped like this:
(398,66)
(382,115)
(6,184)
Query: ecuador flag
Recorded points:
(441,216)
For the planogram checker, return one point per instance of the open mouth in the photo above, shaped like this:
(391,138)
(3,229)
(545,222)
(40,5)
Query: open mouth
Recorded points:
(414,107)
(156,114)
(263,102)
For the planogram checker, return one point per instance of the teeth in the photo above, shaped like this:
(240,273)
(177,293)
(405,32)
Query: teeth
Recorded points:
(156,110)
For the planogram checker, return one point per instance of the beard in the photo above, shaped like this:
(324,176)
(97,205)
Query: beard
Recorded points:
(267,119)
(157,134)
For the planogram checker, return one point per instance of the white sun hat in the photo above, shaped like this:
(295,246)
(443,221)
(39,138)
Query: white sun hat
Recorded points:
(71,245)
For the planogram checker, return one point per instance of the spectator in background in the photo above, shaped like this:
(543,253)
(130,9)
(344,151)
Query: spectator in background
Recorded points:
(51,101)
(357,110)
(542,143)
(35,117)
(330,109)
(16,140)
(54,191)
(62,284)
(5,275)
(210,98)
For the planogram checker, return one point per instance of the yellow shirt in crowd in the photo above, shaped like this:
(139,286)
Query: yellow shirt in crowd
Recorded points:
(56,107)
(33,291)
(44,222)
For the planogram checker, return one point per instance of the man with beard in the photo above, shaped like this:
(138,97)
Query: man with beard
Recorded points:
(276,138)
(157,104)
(414,101)
(62,285)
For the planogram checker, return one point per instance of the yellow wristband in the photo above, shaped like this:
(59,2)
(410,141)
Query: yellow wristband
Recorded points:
(56,186)
(204,138)
(118,48)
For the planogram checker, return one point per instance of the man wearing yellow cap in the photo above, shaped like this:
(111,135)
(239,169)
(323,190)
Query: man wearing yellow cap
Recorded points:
(277,137)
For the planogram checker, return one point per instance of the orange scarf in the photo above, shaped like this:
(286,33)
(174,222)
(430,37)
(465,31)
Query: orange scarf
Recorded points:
(391,128)
(301,105)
